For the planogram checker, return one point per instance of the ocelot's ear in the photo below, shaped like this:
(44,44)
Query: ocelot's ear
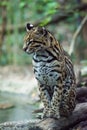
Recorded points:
(29,27)
(42,30)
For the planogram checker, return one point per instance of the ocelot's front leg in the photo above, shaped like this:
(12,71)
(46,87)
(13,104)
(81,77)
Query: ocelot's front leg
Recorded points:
(45,98)
(56,100)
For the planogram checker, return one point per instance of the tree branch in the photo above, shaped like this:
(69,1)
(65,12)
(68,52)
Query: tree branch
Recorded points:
(64,14)
(76,34)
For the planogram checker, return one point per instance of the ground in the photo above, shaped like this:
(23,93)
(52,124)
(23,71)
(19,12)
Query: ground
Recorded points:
(17,79)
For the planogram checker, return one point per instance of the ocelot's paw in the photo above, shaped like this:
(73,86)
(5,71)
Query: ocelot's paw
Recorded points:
(57,116)
(45,113)
(54,115)
(44,116)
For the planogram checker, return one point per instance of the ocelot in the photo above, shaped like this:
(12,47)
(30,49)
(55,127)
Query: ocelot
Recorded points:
(53,70)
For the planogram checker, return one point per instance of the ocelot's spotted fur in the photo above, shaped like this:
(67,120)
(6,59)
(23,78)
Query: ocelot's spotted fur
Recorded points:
(53,70)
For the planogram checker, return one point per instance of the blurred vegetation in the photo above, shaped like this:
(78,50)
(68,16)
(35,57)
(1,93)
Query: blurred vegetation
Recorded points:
(62,17)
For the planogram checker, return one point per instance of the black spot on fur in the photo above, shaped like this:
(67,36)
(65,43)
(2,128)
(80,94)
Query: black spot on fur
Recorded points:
(51,39)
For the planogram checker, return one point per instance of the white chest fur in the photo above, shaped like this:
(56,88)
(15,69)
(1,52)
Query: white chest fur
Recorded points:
(45,72)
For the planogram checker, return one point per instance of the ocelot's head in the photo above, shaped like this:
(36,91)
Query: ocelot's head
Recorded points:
(36,39)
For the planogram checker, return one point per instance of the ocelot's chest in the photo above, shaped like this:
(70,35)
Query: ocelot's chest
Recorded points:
(45,71)
(45,74)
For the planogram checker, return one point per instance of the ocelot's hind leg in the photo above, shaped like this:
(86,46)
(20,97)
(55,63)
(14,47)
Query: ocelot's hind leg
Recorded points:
(56,99)
(68,102)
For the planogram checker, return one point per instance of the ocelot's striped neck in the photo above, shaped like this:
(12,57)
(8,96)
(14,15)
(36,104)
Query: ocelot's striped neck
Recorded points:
(48,55)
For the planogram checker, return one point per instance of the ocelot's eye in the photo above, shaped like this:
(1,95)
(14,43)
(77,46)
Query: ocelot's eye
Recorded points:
(30,41)
(27,43)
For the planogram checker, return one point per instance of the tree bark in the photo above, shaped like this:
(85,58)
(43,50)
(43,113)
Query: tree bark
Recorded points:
(3,26)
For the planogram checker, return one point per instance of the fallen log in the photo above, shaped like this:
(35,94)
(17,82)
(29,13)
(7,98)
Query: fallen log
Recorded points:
(81,95)
(78,115)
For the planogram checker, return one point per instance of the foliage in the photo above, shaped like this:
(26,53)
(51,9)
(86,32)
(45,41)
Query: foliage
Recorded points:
(18,12)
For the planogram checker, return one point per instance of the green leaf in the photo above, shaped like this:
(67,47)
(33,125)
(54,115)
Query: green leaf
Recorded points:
(22,4)
(46,21)
(4,3)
